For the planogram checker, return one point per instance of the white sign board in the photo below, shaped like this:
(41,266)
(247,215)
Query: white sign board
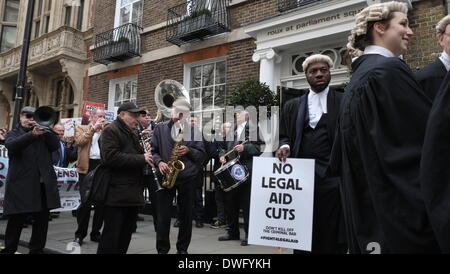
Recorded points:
(69,126)
(282,201)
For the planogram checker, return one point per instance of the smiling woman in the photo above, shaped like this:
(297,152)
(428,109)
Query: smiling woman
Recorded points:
(379,139)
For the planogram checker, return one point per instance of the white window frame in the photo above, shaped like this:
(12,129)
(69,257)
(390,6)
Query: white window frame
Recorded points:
(112,90)
(117,13)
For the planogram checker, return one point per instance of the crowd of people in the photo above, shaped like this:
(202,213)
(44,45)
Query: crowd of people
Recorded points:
(379,150)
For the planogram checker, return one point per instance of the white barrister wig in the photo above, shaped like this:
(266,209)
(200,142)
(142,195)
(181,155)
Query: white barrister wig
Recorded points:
(317,58)
(372,13)
(441,25)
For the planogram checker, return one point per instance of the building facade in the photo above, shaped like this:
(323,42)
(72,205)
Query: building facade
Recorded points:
(213,46)
(58,55)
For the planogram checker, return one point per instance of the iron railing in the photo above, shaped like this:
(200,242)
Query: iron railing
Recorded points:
(118,44)
(196,20)
(284,5)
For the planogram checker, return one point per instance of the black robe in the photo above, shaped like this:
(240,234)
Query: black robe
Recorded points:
(328,222)
(435,171)
(377,151)
(430,77)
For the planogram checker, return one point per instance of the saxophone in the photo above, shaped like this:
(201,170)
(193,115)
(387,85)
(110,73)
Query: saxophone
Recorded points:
(175,165)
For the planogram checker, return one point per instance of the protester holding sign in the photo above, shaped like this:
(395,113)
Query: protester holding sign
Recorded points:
(307,131)
(31,186)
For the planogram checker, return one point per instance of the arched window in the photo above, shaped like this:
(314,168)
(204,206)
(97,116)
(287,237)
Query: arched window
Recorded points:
(63,98)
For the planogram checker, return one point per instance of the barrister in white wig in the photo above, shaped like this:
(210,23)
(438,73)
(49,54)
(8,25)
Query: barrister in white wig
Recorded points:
(431,77)
(379,139)
(307,130)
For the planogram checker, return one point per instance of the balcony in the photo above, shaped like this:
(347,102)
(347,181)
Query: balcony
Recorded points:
(63,42)
(118,44)
(197,20)
(285,5)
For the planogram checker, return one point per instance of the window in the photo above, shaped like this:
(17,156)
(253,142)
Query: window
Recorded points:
(63,98)
(8,24)
(129,11)
(80,15)
(122,90)
(41,19)
(68,15)
(207,87)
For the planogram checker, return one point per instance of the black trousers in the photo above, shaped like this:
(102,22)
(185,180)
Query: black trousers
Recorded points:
(119,226)
(185,201)
(84,211)
(236,199)
(219,196)
(38,233)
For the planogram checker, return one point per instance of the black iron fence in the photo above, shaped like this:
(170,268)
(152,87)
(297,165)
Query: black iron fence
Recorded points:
(118,44)
(196,20)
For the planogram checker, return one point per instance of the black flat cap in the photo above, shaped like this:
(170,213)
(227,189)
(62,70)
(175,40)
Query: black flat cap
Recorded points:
(28,109)
(130,107)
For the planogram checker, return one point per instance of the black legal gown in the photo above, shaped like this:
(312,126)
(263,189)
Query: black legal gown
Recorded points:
(377,151)
(435,169)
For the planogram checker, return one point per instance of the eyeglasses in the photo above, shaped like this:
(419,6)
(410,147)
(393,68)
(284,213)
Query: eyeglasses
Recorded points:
(146,114)
(29,115)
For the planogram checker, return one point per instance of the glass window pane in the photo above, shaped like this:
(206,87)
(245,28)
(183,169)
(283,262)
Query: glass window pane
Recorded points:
(195,98)
(207,98)
(37,26)
(125,15)
(68,16)
(196,76)
(134,90)
(126,2)
(220,73)
(208,75)
(219,96)
(137,13)
(11,11)
(127,91)
(8,39)
(118,95)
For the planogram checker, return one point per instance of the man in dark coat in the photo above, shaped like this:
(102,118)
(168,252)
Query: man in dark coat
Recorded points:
(434,170)
(31,186)
(122,153)
(192,154)
(430,77)
(239,197)
(307,130)
(65,154)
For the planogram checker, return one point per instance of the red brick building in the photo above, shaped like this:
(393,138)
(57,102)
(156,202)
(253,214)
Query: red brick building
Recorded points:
(211,46)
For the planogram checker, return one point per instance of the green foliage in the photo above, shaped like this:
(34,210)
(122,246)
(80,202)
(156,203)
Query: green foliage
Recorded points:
(253,93)
(197,13)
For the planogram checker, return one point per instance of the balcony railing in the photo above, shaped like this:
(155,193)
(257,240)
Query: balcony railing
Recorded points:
(117,44)
(284,5)
(196,20)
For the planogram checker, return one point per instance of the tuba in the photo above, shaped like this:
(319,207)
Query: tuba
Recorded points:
(166,93)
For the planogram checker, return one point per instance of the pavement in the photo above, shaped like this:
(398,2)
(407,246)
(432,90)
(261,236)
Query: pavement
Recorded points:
(204,240)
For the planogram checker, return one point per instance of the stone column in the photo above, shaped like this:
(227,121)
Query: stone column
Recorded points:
(267,58)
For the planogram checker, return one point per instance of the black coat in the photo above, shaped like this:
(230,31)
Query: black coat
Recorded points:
(295,115)
(328,225)
(435,172)
(377,151)
(70,155)
(430,77)
(122,153)
(30,159)
(251,148)
(162,144)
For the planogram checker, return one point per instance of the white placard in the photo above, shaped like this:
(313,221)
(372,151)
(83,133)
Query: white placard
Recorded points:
(282,201)
(69,126)
(3,172)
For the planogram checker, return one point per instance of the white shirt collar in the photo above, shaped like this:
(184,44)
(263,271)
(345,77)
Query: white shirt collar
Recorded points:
(317,105)
(378,50)
(240,128)
(322,97)
(445,58)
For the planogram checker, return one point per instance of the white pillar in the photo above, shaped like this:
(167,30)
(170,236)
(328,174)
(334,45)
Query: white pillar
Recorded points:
(267,58)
